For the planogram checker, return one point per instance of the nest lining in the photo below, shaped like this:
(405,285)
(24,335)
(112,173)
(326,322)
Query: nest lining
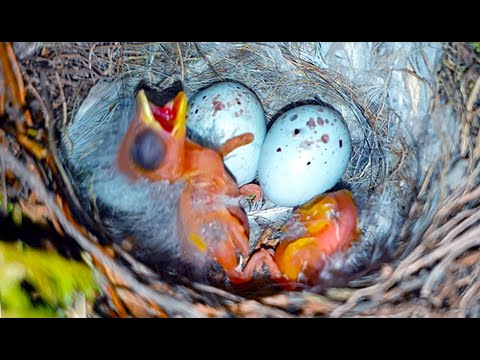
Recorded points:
(398,194)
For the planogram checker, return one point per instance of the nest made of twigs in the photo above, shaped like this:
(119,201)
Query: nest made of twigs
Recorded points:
(418,255)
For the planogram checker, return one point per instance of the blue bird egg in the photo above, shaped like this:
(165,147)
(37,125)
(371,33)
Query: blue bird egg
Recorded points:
(223,111)
(305,153)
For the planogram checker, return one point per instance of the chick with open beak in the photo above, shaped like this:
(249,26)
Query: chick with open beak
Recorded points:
(211,224)
(184,214)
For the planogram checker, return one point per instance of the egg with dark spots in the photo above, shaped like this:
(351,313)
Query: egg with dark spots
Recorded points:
(223,111)
(312,159)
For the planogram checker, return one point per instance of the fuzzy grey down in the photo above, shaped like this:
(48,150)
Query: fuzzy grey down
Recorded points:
(88,148)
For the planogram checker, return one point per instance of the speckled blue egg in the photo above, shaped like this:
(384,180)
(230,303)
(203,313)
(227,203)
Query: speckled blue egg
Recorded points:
(305,153)
(223,111)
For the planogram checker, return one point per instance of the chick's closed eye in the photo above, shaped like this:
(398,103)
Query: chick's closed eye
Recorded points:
(147,150)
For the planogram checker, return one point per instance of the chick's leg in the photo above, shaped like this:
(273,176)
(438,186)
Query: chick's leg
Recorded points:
(232,250)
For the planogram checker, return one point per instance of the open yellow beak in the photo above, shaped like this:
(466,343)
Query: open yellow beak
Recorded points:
(175,112)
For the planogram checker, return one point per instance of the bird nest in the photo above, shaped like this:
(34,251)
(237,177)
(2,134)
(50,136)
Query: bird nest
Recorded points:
(413,113)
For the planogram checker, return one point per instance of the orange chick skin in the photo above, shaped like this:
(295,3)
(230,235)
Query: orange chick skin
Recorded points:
(330,225)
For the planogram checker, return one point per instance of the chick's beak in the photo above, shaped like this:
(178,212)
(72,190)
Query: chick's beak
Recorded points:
(170,118)
(154,144)
(180,114)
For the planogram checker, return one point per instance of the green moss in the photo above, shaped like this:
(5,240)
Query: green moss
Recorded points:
(52,282)
(17,215)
